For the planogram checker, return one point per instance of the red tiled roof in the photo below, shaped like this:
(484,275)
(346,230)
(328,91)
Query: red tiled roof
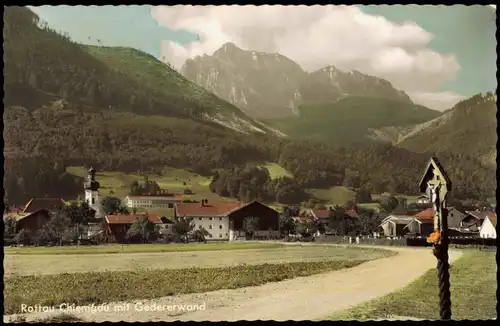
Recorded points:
(426,220)
(210,209)
(131,218)
(426,214)
(321,213)
(36,204)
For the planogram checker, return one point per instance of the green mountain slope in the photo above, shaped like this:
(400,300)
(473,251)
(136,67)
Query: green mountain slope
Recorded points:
(348,121)
(469,128)
(42,65)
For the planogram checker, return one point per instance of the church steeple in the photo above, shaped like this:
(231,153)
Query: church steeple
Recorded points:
(91,183)
(91,187)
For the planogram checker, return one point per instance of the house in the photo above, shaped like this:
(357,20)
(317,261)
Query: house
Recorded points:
(224,220)
(488,228)
(423,199)
(421,226)
(320,214)
(119,224)
(455,217)
(474,219)
(36,204)
(34,214)
(153,201)
(30,222)
(394,225)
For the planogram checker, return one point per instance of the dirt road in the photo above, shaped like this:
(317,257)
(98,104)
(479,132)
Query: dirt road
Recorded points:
(306,298)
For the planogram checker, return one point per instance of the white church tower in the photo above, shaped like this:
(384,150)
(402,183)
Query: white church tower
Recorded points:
(92,190)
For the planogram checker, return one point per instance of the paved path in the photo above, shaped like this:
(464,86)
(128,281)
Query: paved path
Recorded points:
(306,298)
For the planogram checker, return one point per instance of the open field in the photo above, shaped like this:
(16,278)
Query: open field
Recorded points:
(100,287)
(336,195)
(283,300)
(139,248)
(473,293)
(409,198)
(276,171)
(15,265)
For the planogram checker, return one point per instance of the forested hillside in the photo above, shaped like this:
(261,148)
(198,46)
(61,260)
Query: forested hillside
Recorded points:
(42,65)
(58,110)
(468,129)
(347,121)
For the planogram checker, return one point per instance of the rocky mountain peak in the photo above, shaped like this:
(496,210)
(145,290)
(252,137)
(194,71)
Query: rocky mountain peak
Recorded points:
(269,85)
(228,48)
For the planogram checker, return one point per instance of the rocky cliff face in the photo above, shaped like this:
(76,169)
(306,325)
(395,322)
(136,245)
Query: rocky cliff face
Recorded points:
(270,85)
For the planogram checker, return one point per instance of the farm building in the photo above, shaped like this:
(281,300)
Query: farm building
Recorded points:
(455,217)
(474,219)
(30,222)
(119,224)
(488,228)
(394,225)
(34,214)
(320,214)
(224,220)
(36,204)
(324,214)
(420,226)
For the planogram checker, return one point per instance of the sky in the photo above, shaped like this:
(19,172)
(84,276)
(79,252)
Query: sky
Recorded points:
(437,54)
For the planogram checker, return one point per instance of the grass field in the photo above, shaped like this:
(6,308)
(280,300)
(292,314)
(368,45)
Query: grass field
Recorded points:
(409,198)
(336,195)
(49,264)
(100,287)
(138,248)
(276,171)
(473,293)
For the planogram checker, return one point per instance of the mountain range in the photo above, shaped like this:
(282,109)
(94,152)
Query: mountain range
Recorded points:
(341,108)
(270,85)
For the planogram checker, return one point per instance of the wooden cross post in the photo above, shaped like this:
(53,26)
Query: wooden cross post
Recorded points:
(436,183)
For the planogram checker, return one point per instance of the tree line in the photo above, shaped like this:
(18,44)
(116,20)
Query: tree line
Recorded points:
(254,183)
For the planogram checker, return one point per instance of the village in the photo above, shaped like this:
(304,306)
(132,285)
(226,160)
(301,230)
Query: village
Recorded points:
(164,217)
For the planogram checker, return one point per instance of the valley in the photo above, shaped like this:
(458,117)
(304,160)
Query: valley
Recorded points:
(230,163)
(348,121)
